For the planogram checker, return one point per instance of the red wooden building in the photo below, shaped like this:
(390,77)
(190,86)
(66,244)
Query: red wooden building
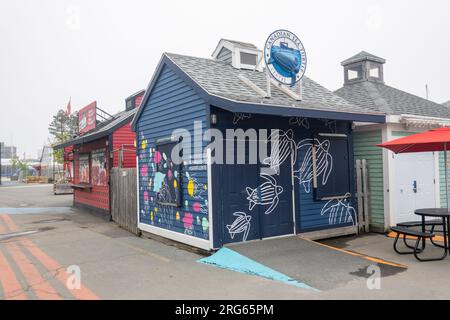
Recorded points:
(110,143)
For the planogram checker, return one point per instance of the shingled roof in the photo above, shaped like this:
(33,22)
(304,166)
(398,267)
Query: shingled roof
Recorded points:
(379,97)
(220,79)
(363,55)
(447,104)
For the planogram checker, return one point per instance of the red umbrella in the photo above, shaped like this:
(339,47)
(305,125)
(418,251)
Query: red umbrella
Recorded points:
(432,140)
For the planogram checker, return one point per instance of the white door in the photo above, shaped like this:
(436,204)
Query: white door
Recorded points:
(414,184)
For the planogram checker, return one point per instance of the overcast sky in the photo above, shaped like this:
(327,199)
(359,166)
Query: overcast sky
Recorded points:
(51,50)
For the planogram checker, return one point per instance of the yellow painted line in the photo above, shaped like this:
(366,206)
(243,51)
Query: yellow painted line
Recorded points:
(357,254)
(393,234)
(148,253)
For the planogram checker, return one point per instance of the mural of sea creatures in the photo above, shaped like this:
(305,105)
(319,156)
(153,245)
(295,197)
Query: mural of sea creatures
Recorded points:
(266,194)
(339,211)
(188,220)
(331,124)
(240,225)
(282,147)
(239,116)
(158,181)
(324,162)
(164,195)
(196,189)
(300,121)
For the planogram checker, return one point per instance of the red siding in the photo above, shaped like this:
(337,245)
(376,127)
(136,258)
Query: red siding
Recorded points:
(98,196)
(124,137)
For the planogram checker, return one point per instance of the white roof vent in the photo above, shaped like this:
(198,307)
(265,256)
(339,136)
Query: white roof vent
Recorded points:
(240,55)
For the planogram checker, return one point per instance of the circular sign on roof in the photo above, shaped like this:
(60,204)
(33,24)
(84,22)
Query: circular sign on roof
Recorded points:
(285,57)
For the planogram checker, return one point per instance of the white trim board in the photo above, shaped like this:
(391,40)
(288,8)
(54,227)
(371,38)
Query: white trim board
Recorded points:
(138,211)
(176,236)
(210,197)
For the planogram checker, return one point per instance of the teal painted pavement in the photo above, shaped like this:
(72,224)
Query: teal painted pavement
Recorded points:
(228,259)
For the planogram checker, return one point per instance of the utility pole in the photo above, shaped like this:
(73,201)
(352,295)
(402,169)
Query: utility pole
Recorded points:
(426,90)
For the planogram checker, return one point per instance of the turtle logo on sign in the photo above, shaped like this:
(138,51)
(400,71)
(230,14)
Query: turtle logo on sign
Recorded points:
(285,57)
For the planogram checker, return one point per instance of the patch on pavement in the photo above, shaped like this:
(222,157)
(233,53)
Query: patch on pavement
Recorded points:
(36,210)
(320,266)
(228,259)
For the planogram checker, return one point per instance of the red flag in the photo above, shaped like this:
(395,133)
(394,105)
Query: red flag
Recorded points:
(69,108)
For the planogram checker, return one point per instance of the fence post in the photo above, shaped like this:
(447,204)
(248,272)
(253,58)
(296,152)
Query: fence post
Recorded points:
(121,157)
(365,178)
(359,193)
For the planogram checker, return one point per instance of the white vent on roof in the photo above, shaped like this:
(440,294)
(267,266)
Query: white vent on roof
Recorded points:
(240,55)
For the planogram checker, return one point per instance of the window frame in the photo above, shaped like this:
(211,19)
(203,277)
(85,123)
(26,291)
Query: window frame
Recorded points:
(91,159)
(318,194)
(179,199)
(88,154)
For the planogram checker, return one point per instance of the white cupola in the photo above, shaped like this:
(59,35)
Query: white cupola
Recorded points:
(363,67)
(239,54)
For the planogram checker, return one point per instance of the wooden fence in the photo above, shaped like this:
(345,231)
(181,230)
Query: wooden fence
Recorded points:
(363,192)
(123,198)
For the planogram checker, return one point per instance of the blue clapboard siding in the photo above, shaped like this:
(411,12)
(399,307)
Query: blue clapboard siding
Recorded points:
(310,217)
(173,105)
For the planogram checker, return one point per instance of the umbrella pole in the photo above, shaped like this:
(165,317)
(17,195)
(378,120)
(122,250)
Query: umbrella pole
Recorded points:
(446,172)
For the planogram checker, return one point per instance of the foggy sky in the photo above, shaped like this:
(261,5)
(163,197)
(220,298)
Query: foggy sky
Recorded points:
(51,50)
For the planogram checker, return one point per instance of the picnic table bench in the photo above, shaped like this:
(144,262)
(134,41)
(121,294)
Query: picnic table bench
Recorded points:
(420,235)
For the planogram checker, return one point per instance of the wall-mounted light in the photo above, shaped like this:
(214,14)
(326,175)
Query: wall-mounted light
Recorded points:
(213,118)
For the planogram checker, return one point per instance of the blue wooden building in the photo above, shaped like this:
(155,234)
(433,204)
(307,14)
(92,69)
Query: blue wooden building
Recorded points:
(305,184)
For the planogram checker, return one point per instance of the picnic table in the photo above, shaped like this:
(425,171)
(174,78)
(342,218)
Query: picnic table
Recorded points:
(442,213)
(405,229)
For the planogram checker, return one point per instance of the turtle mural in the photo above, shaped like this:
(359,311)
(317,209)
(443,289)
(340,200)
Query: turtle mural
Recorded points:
(240,225)
(265,194)
(339,211)
(324,162)
(282,147)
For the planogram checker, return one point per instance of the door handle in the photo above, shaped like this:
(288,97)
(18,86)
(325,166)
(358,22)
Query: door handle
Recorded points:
(415,186)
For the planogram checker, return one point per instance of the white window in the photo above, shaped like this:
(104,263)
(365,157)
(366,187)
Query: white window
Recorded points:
(352,74)
(374,72)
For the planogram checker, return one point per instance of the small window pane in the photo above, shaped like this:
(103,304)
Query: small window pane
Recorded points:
(98,168)
(374,72)
(352,74)
(168,176)
(248,58)
(83,168)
